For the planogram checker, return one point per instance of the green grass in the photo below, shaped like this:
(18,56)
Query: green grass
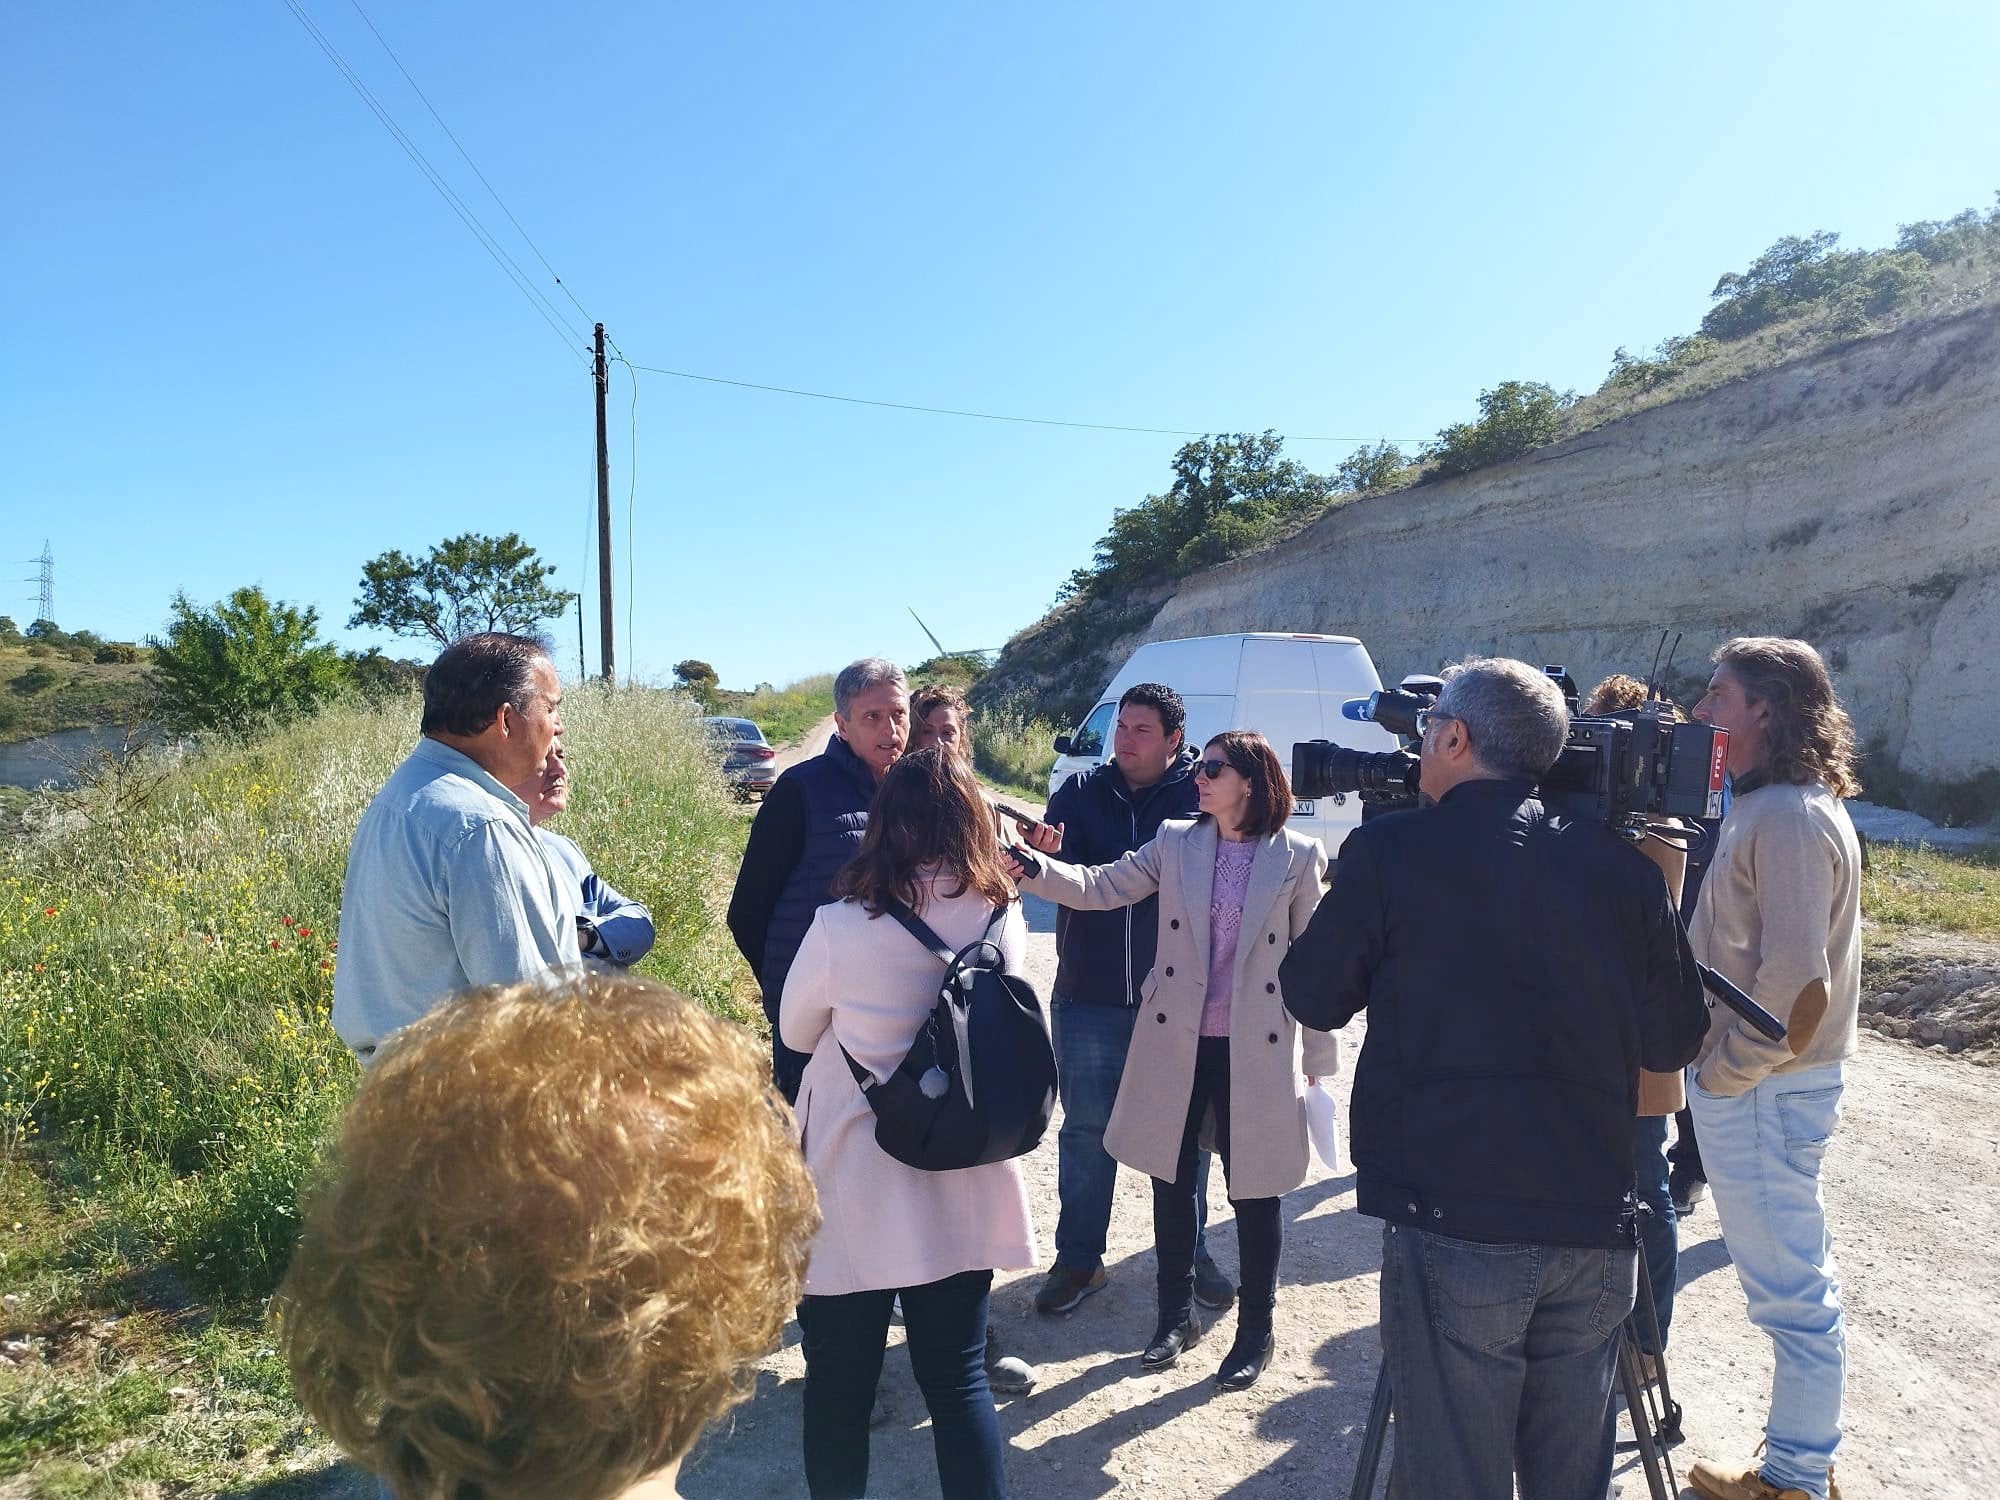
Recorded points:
(784,714)
(1014,749)
(166,967)
(1920,886)
(81,694)
(168,1073)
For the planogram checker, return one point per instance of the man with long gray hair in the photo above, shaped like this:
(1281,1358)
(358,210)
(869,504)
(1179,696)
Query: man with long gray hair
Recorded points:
(1518,969)
(809,826)
(447,886)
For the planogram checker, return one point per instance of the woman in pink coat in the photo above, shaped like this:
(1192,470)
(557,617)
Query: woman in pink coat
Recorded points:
(862,982)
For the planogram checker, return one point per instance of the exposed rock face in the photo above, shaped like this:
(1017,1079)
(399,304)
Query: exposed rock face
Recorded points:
(1852,498)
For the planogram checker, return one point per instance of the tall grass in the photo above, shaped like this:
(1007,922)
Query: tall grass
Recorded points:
(166,962)
(1014,748)
(786,713)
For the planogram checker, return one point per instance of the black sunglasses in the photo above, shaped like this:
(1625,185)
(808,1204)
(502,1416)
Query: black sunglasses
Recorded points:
(1213,768)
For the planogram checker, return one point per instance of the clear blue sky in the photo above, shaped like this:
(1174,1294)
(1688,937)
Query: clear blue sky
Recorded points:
(242,340)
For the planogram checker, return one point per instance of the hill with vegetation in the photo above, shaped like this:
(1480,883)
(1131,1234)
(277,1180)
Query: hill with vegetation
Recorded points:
(1820,460)
(53,679)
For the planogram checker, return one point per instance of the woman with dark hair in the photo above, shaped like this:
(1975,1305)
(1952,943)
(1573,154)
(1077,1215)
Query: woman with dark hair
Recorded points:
(1236,886)
(863,983)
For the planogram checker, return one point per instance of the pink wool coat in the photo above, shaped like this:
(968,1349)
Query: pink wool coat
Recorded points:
(1267,1111)
(866,984)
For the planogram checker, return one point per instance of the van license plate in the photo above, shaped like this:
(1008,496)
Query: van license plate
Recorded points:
(1303,809)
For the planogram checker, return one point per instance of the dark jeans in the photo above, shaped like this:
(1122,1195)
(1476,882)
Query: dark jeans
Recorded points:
(1500,1363)
(1657,1229)
(788,1068)
(1091,1043)
(845,1338)
(1175,1204)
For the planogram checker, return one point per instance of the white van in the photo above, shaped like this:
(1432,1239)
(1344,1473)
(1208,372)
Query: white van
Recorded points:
(1286,687)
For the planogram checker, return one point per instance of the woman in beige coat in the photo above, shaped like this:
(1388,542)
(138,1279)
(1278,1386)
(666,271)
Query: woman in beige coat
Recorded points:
(1235,887)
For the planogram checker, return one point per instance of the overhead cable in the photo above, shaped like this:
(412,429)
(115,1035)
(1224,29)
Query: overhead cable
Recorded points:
(487,242)
(982,416)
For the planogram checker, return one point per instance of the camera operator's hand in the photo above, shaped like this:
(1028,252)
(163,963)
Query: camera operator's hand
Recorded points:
(1041,837)
(1021,865)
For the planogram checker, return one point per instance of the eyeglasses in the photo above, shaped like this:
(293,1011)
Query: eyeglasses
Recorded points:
(1425,717)
(1210,769)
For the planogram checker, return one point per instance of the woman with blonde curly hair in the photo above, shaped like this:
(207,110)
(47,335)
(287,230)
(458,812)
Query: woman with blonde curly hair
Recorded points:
(560,1224)
(863,984)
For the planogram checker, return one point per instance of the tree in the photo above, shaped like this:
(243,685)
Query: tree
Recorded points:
(1514,417)
(377,675)
(1367,470)
(244,662)
(697,677)
(467,584)
(46,630)
(10,633)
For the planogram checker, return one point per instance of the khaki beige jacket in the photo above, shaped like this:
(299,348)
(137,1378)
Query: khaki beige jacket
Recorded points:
(1267,1110)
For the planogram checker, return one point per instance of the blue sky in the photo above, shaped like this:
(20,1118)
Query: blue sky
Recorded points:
(243,340)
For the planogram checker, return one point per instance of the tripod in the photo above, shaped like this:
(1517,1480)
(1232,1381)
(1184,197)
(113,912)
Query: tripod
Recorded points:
(1655,1415)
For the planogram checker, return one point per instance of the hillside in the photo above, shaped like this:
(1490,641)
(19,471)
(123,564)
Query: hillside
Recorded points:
(1851,497)
(43,691)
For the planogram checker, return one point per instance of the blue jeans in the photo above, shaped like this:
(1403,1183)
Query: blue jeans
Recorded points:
(1657,1230)
(845,1338)
(1091,1043)
(1762,1150)
(1500,1363)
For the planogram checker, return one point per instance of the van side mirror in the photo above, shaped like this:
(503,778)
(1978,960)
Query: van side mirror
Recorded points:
(1063,742)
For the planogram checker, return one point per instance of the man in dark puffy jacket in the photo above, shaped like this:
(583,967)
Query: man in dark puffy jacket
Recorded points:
(1518,969)
(809,826)
(1102,958)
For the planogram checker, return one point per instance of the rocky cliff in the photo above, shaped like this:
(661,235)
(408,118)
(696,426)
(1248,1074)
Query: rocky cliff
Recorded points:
(1852,498)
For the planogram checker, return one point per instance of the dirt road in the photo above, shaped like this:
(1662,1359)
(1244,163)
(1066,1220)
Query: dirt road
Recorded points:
(1910,1187)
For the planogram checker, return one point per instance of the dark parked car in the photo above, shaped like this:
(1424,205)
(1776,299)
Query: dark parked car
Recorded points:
(748,761)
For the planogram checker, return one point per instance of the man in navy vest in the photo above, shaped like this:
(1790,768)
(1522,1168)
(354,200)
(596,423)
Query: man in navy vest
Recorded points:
(809,826)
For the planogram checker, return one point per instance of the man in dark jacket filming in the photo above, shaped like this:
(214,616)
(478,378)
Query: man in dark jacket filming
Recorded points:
(1518,969)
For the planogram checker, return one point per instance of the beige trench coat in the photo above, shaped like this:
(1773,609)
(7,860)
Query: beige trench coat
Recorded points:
(1267,1112)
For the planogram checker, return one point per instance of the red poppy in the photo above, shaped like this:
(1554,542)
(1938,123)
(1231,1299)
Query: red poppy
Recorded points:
(48,911)
(326,963)
(288,921)
(305,932)
(276,944)
(38,968)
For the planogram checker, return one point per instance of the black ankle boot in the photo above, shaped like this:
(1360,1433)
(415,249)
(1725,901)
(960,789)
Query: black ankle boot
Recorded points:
(1170,1340)
(1246,1359)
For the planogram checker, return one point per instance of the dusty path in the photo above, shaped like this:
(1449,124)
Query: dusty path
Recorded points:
(1911,1192)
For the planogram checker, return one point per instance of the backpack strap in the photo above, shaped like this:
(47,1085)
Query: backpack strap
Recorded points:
(919,929)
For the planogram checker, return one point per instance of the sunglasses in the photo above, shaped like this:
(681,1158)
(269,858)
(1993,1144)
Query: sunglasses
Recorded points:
(1210,769)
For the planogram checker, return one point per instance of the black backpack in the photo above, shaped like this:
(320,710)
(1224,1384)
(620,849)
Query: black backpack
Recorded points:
(979,1082)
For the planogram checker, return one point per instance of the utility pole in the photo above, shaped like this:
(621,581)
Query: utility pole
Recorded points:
(604,520)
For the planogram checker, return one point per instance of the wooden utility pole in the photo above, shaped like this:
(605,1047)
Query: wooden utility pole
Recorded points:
(604,521)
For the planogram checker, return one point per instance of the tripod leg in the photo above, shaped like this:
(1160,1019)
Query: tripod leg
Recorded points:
(1372,1438)
(1651,1450)
(1647,1316)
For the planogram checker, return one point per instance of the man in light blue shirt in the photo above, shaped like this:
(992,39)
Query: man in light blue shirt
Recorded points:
(614,931)
(447,886)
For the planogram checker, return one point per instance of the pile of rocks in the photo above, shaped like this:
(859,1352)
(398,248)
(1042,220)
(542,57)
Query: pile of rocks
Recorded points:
(1954,1008)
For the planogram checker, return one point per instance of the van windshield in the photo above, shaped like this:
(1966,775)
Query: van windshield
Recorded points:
(1089,740)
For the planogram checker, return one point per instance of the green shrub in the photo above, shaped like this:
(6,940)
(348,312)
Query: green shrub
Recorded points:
(1514,417)
(115,653)
(1013,748)
(166,967)
(243,663)
(35,680)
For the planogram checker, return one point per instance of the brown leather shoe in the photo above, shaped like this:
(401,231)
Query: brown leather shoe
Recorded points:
(1721,1482)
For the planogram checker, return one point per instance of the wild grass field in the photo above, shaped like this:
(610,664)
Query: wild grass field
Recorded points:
(168,1074)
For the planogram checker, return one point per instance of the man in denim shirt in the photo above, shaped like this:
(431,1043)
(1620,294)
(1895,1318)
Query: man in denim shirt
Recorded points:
(613,930)
(447,886)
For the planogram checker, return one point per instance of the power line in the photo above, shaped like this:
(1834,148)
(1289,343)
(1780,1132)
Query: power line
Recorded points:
(631,495)
(472,164)
(982,416)
(487,242)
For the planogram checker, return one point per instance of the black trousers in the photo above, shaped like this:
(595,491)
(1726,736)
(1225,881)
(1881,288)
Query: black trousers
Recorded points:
(1257,1223)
